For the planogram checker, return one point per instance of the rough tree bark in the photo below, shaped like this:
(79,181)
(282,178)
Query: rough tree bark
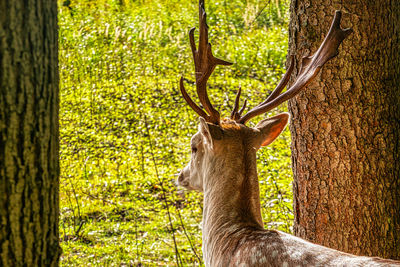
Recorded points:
(346,129)
(29,168)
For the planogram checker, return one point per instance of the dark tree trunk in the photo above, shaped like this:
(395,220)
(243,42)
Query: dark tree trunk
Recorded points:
(346,129)
(29,168)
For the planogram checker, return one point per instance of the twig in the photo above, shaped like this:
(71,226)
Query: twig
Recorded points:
(76,199)
(259,13)
(177,255)
(136,236)
(82,222)
(99,198)
(187,236)
(280,199)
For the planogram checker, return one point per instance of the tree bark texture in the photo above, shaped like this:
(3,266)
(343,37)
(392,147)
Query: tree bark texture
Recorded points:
(29,167)
(346,129)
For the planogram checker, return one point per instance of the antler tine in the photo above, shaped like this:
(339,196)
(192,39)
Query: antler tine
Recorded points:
(205,64)
(192,42)
(310,68)
(191,103)
(282,83)
(234,113)
(243,107)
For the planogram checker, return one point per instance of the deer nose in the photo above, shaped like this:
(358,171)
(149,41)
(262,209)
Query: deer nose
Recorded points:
(180,177)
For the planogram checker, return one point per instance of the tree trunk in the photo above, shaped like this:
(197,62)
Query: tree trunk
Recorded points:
(346,129)
(29,167)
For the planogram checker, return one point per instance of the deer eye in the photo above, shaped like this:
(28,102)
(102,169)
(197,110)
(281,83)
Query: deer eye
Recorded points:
(194,149)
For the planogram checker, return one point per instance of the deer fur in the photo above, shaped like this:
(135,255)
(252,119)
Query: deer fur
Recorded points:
(223,167)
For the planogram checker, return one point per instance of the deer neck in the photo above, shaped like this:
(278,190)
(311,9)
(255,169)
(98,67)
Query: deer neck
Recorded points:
(231,201)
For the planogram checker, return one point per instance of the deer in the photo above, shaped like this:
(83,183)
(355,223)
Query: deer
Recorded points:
(223,167)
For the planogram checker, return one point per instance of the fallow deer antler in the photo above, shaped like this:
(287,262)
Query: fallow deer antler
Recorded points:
(205,64)
(235,114)
(310,67)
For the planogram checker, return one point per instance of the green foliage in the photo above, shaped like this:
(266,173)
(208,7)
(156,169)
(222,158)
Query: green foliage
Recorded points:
(125,129)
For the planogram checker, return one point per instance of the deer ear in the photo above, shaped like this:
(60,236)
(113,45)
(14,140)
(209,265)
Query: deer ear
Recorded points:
(270,129)
(209,132)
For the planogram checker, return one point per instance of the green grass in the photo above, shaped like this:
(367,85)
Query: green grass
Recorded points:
(125,129)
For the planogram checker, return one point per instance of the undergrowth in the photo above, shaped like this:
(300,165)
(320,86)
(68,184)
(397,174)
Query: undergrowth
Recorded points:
(125,129)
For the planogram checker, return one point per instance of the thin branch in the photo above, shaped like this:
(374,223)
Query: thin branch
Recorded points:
(187,236)
(160,182)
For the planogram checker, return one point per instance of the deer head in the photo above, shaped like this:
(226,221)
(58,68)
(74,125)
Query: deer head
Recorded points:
(220,146)
(222,141)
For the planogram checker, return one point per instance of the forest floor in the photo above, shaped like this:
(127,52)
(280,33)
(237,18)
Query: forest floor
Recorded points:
(125,129)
